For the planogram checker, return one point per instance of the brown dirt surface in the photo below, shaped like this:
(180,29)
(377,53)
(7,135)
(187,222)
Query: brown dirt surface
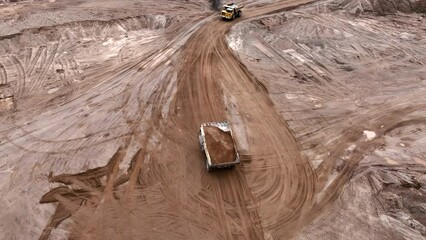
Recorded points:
(382,7)
(220,145)
(326,100)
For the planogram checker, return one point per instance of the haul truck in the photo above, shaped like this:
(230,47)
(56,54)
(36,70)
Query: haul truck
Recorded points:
(217,142)
(231,11)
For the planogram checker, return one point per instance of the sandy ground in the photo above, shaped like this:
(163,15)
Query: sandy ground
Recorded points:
(327,102)
(352,89)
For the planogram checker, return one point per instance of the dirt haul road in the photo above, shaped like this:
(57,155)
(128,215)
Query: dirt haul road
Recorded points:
(265,197)
(110,149)
(155,185)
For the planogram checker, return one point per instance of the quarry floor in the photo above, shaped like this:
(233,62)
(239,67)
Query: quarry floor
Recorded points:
(327,103)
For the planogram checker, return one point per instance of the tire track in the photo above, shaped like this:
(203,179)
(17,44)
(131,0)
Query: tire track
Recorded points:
(164,171)
(33,63)
(21,82)
(3,75)
(142,95)
(45,67)
(199,99)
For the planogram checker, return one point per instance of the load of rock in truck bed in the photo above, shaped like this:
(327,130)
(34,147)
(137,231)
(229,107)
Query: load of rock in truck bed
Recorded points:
(220,145)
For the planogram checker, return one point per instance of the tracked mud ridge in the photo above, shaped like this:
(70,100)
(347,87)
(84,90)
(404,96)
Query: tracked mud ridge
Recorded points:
(85,189)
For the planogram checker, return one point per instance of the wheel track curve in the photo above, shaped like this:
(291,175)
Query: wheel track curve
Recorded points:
(232,203)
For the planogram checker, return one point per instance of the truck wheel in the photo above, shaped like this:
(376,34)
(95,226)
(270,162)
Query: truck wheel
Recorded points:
(201,142)
(202,147)
(240,13)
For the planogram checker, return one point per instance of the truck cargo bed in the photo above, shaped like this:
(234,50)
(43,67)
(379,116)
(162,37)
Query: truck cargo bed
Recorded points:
(217,142)
(220,145)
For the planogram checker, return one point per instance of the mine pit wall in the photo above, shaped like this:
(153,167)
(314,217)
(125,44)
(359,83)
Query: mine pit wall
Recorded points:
(15,1)
(380,7)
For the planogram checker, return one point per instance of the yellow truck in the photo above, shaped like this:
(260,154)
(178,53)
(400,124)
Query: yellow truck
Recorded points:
(231,11)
